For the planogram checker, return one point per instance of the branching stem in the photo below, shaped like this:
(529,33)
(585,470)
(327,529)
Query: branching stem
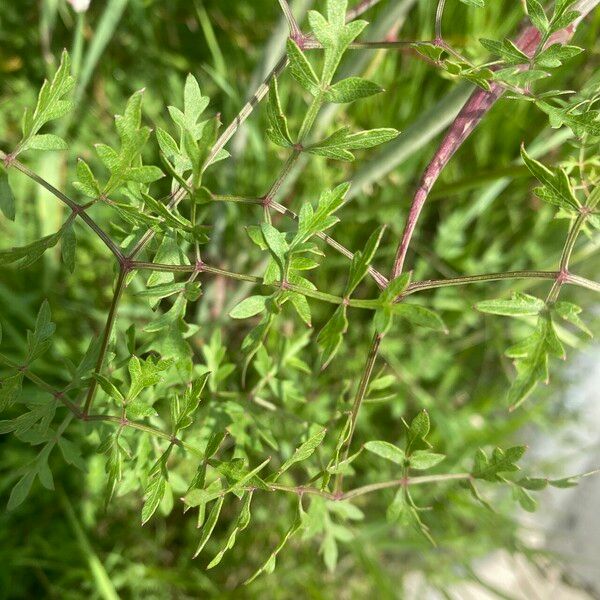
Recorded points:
(75,208)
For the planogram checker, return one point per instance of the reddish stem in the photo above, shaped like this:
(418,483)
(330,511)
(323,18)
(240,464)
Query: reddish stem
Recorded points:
(470,116)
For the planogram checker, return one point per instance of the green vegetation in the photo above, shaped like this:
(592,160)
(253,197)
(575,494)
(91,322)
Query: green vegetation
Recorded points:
(278,338)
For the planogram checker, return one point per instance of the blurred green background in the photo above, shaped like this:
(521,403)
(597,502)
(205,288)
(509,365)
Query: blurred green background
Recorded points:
(482,218)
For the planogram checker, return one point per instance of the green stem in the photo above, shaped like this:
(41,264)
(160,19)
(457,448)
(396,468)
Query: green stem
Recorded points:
(76,208)
(371,303)
(110,321)
(408,481)
(283,174)
(370,488)
(41,384)
(310,116)
(124,422)
(368,304)
(583,282)
(78,39)
(358,400)
(237,199)
(428,284)
(565,258)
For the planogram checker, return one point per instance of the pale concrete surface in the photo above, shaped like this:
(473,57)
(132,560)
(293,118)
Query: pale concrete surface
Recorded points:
(568,520)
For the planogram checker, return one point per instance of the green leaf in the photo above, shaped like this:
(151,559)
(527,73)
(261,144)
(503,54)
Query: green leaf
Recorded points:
(525,499)
(570,312)
(419,315)
(277,131)
(553,56)
(163,290)
(300,69)
(300,304)
(86,182)
(114,448)
(210,524)
(71,454)
(562,16)
(371,138)
(21,490)
(507,50)
(183,409)
(423,459)
(50,105)
(383,319)
(38,341)
(491,468)
(69,246)
(531,359)
(194,103)
(519,305)
(394,288)
(109,387)
(7,199)
(556,188)
(301,453)
(241,523)
(154,492)
(145,174)
(47,141)
(334,34)
(387,451)
(125,165)
(269,565)
(516,76)
(384,315)
(418,430)
(242,478)
(351,89)
(584,123)
(399,510)
(530,483)
(167,144)
(29,254)
(339,144)
(362,260)
(249,307)
(276,243)
(331,336)
(475,3)
(145,373)
(311,222)
(537,15)
(11,390)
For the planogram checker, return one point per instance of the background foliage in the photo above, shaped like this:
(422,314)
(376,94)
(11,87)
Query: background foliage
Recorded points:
(482,217)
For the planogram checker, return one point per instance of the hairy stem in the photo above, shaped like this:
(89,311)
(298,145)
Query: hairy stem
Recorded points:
(428,284)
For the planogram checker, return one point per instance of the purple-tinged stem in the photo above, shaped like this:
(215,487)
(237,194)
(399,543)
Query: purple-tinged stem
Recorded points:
(470,116)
